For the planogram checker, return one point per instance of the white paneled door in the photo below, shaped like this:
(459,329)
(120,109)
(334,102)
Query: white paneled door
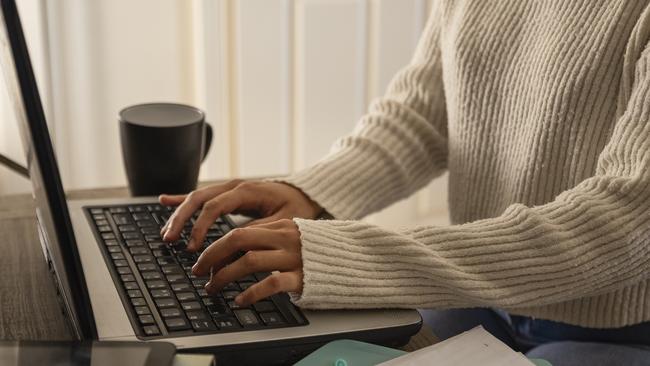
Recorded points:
(280,80)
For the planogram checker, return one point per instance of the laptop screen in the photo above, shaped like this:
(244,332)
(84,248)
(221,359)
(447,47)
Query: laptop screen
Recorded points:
(55,228)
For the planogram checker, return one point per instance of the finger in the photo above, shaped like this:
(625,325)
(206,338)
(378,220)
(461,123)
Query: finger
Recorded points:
(275,283)
(235,241)
(171,199)
(251,262)
(186,209)
(233,200)
(264,220)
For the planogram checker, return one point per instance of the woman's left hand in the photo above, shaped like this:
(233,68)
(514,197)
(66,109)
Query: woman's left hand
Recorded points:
(269,247)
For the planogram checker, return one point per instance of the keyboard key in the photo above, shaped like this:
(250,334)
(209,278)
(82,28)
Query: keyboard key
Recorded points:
(127,277)
(146,319)
(134,243)
(117,256)
(218,309)
(185,296)
(138,250)
(158,245)
(246,317)
(147,223)
(202,292)
(176,278)
(96,211)
(108,236)
(199,282)
(154,208)
(147,267)
(142,310)
(230,295)
(196,315)
(181,286)
(138,301)
(124,270)
(111,243)
(104,229)
(227,323)
(139,216)
(150,230)
(138,208)
(190,306)
(264,306)
(122,219)
(130,235)
(176,324)
(151,275)
(171,269)
(117,209)
(121,263)
(208,301)
(233,305)
(161,252)
(142,258)
(165,303)
(114,249)
(152,237)
(151,330)
(271,318)
(156,284)
(203,325)
(157,294)
(166,260)
(134,293)
(170,312)
(127,228)
(131,286)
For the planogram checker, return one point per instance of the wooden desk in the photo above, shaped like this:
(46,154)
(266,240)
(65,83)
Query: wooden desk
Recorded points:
(30,310)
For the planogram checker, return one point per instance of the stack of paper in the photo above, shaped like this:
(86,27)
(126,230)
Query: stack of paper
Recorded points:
(474,347)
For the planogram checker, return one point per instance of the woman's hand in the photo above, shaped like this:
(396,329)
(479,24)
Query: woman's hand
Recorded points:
(270,201)
(269,247)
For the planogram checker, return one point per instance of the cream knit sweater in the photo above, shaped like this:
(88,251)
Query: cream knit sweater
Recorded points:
(540,110)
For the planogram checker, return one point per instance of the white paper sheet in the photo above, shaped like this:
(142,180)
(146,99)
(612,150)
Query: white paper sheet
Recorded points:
(474,347)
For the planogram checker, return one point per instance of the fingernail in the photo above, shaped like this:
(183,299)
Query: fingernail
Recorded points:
(195,269)
(239,300)
(191,244)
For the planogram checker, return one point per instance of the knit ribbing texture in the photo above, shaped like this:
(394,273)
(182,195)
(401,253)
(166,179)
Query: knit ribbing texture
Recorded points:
(540,111)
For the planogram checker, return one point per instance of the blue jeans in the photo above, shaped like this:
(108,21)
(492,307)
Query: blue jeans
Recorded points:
(560,344)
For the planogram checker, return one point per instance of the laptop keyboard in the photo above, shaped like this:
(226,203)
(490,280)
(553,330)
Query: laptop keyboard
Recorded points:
(162,296)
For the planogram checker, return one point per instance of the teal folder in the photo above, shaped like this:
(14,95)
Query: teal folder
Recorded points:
(354,353)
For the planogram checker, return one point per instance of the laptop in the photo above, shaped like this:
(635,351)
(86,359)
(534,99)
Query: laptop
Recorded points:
(117,280)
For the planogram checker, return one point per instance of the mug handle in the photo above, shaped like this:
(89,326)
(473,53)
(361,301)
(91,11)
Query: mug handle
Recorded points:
(208,140)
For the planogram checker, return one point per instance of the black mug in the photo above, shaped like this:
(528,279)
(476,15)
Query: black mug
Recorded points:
(163,146)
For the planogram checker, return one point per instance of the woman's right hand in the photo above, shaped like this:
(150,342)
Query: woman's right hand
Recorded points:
(268,201)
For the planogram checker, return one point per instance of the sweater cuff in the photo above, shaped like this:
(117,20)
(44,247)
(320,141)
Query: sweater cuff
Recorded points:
(349,184)
(344,268)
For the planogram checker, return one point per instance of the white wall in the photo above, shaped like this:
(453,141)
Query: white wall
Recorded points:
(280,80)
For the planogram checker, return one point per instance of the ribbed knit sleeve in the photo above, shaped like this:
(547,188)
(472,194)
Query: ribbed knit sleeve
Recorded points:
(591,239)
(396,148)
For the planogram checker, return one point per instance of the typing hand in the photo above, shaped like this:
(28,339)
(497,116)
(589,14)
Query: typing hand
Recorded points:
(269,247)
(270,201)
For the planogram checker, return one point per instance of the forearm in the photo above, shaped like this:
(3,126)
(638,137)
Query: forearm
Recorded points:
(589,241)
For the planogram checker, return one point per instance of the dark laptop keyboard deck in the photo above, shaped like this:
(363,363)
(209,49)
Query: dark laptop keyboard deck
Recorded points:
(161,295)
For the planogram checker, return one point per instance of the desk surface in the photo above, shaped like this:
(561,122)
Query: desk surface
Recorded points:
(28,300)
